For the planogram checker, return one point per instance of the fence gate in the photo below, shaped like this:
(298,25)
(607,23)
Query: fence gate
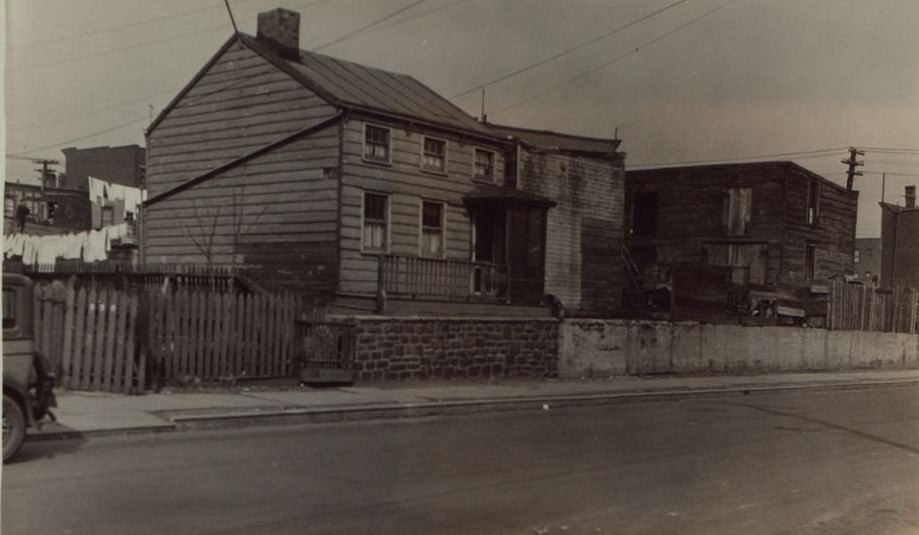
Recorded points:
(325,350)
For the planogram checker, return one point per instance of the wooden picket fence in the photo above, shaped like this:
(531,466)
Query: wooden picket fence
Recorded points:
(201,335)
(88,337)
(121,340)
(865,308)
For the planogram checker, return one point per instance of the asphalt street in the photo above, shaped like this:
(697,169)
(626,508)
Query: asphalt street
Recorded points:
(823,462)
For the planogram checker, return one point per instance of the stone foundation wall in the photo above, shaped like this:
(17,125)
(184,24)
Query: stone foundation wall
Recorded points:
(444,348)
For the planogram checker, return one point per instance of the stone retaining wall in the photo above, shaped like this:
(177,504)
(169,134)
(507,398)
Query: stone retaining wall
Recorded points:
(444,348)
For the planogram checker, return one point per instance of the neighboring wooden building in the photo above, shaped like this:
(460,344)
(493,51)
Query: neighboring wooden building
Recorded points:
(348,184)
(586,177)
(900,243)
(769,223)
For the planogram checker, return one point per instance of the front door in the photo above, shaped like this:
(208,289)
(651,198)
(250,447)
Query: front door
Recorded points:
(527,258)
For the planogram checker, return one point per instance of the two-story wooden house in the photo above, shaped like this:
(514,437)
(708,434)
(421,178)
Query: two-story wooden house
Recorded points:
(770,223)
(348,184)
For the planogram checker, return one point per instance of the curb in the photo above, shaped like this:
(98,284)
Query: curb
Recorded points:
(300,415)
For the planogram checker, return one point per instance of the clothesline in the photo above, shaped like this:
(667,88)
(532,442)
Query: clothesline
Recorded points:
(88,246)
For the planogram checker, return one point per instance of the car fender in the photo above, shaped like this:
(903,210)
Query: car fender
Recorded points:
(20,393)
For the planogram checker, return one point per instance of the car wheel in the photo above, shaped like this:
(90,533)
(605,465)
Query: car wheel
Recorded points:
(14,427)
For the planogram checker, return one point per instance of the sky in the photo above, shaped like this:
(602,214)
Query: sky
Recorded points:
(693,80)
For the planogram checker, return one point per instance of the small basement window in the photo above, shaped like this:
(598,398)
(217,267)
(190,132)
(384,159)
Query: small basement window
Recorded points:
(484,165)
(377,143)
(434,155)
(376,222)
(432,229)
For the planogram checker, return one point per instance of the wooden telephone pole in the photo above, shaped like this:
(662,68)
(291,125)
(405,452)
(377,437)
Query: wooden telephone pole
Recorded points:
(853,162)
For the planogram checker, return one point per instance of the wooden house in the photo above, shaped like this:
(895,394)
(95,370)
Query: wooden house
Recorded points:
(767,224)
(348,184)
(899,243)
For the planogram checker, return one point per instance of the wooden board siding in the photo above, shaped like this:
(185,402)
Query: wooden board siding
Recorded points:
(584,231)
(833,236)
(690,204)
(277,213)
(407,185)
(240,104)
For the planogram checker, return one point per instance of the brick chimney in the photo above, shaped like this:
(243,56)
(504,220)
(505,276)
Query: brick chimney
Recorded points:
(279,29)
(910,196)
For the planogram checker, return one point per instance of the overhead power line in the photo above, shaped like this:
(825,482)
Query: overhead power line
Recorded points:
(366,27)
(144,44)
(615,60)
(801,155)
(567,51)
(417,15)
(85,136)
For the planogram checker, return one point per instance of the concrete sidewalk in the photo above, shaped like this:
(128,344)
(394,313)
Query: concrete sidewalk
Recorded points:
(82,414)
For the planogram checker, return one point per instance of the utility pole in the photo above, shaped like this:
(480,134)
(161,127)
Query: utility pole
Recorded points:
(883,185)
(853,162)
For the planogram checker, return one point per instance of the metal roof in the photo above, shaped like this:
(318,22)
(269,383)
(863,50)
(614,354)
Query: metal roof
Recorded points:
(351,84)
(547,139)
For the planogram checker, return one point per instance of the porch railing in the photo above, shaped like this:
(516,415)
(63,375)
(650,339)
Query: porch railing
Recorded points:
(437,278)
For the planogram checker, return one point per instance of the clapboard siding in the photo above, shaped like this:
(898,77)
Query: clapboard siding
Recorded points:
(584,230)
(407,185)
(240,104)
(276,213)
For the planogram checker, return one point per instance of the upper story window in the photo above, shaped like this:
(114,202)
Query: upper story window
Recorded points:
(434,155)
(644,214)
(377,143)
(810,262)
(9,206)
(738,206)
(375,234)
(432,229)
(813,202)
(857,254)
(484,165)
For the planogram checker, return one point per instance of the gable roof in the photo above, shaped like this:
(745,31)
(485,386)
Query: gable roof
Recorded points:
(547,139)
(350,85)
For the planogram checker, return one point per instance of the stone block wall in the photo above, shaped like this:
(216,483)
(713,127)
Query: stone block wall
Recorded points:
(445,348)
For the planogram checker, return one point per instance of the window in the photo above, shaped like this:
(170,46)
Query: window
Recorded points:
(737,208)
(810,262)
(9,309)
(856,256)
(376,143)
(108,215)
(813,202)
(432,229)
(748,262)
(376,215)
(484,165)
(644,214)
(434,155)
(9,206)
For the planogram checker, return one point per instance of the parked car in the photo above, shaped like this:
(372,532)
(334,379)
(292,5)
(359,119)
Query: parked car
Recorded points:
(27,384)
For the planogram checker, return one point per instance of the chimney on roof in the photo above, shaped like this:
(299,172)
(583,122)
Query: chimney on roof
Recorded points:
(279,29)
(910,196)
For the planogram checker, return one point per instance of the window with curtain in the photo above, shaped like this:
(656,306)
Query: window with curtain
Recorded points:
(376,215)
(737,210)
(432,229)
(434,157)
(484,165)
(376,143)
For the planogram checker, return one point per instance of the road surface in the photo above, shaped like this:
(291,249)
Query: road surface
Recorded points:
(827,462)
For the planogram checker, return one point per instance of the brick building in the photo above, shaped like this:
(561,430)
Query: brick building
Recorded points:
(41,210)
(867,259)
(123,165)
(900,242)
(768,223)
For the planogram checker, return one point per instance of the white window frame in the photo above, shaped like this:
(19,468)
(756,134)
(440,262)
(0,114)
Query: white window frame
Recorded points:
(387,237)
(389,149)
(494,165)
(446,155)
(443,228)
